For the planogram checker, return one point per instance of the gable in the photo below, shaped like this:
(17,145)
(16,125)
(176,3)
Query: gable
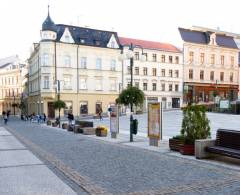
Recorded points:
(112,43)
(67,37)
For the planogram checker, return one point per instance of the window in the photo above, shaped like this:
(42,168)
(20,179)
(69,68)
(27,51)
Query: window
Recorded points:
(67,82)
(113,84)
(221,76)
(170,87)
(222,60)
(46,82)
(98,84)
(176,73)
(112,44)
(231,77)
(83,63)
(136,70)
(232,61)
(176,87)
(212,59)
(145,71)
(191,74)
(98,107)
(83,83)
(128,70)
(154,72)
(163,58)
(154,57)
(170,73)
(83,107)
(146,56)
(145,86)
(99,64)
(212,75)
(202,58)
(136,55)
(45,59)
(191,56)
(137,84)
(154,86)
(67,38)
(68,108)
(201,74)
(177,60)
(67,61)
(163,72)
(163,86)
(170,59)
(113,65)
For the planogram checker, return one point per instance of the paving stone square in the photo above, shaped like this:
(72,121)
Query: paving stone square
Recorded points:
(37,180)
(10,143)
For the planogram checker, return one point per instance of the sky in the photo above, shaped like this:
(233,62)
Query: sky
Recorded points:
(153,20)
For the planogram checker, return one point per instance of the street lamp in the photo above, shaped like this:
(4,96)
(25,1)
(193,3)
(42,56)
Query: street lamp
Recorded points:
(130,55)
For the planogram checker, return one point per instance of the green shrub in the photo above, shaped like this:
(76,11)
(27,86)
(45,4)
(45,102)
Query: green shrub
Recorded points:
(195,124)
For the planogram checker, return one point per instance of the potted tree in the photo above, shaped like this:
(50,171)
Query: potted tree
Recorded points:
(58,105)
(195,125)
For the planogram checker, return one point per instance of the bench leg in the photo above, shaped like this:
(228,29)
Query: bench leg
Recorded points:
(200,146)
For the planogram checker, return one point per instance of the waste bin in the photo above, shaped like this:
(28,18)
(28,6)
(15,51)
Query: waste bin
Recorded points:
(134,126)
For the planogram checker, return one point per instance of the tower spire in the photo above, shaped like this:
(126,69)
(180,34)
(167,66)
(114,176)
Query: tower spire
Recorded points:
(48,10)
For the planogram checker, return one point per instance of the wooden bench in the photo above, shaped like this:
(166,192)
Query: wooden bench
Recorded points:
(227,143)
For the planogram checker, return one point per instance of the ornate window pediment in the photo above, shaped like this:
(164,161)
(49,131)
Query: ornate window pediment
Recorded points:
(67,37)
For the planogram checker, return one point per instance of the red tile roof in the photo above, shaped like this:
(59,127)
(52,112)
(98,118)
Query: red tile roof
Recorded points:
(149,44)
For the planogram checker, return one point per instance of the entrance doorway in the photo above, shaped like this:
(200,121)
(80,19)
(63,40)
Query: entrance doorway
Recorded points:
(51,110)
(175,102)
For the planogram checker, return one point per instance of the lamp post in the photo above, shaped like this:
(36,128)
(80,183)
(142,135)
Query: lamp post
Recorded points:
(130,55)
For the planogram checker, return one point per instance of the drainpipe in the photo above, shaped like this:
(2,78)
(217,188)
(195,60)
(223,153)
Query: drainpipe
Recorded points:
(78,108)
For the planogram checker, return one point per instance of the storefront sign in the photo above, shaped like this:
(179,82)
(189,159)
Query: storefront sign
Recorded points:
(114,120)
(154,120)
(224,104)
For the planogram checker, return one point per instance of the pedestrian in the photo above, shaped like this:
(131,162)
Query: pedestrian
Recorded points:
(8,113)
(70,118)
(5,118)
(100,114)
(44,117)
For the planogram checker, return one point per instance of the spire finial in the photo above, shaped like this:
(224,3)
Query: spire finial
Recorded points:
(48,10)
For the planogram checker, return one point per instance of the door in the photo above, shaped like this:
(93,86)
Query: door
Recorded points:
(176,102)
(51,110)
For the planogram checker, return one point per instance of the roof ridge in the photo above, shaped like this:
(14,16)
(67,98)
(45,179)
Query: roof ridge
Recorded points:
(147,41)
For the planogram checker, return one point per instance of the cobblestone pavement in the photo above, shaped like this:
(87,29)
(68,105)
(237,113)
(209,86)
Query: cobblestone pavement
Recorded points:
(108,168)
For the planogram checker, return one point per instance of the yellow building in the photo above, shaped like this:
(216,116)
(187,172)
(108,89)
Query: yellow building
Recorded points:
(85,63)
(11,71)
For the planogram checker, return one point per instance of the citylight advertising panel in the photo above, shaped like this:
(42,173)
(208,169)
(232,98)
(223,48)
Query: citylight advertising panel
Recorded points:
(154,120)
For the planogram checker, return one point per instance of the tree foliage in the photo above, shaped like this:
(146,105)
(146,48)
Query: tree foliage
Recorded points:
(131,95)
(195,124)
(59,104)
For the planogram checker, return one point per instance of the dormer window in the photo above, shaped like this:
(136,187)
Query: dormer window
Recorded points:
(97,43)
(212,39)
(67,38)
(82,41)
(112,44)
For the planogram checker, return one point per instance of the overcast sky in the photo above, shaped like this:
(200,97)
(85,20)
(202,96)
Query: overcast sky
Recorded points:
(155,20)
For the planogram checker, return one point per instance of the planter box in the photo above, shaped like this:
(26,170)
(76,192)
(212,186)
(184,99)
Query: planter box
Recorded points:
(175,144)
(187,149)
(78,129)
(49,123)
(65,126)
(89,131)
(70,127)
(101,132)
(54,124)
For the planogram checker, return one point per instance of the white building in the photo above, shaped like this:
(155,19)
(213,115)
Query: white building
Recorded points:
(160,75)
(83,60)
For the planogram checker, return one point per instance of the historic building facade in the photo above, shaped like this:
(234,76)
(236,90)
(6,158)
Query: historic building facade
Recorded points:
(85,63)
(11,83)
(159,74)
(210,65)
